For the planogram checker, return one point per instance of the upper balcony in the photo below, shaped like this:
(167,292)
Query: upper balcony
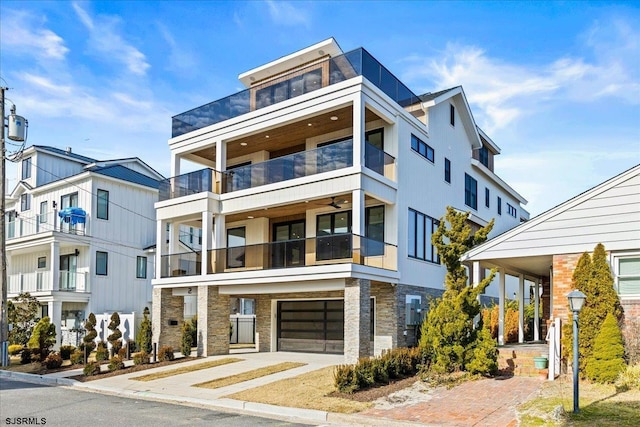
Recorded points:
(331,157)
(334,70)
(65,221)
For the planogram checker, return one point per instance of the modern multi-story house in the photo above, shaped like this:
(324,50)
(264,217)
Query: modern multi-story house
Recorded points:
(320,187)
(76,232)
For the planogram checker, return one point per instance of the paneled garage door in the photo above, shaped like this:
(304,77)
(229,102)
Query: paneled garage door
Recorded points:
(311,326)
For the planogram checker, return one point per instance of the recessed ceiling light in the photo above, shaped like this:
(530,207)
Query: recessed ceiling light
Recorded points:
(334,118)
(309,124)
(250,217)
(253,79)
(321,52)
(266,136)
(244,144)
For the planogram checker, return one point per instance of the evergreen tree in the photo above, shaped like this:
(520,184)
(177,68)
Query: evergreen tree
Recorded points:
(114,337)
(187,339)
(145,333)
(448,336)
(89,338)
(22,314)
(43,337)
(607,359)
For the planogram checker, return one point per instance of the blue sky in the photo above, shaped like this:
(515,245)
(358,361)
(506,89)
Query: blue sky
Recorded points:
(555,84)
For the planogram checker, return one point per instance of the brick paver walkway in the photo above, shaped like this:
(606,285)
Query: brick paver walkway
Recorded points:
(487,402)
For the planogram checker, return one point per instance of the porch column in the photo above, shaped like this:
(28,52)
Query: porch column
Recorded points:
(174,238)
(501,303)
(213,321)
(221,156)
(55,268)
(206,241)
(536,310)
(219,241)
(160,239)
(357,306)
(55,315)
(175,165)
(521,308)
(358,130)
(167,317)
(357,213)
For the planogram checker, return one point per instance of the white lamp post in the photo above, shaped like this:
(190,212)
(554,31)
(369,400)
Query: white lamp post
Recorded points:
(576,301)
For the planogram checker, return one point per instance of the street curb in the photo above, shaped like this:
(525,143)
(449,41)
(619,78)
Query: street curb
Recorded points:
(37,379)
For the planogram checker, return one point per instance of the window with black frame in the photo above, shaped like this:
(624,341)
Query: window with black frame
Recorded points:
(374,231)
(236,247)
(333,236)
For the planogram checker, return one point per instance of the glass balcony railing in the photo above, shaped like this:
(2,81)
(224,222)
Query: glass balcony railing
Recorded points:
(322,250)
(379,161)
(358,62)
(188,183)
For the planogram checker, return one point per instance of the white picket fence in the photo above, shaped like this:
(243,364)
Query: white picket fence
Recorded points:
(127,327)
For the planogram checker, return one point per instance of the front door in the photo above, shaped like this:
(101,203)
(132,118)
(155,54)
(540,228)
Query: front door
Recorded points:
(68,268)
(288,244)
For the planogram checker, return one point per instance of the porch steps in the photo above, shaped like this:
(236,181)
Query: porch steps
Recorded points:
(518,361)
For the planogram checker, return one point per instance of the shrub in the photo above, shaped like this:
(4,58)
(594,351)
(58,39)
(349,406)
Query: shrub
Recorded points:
(629,379)
(22,313)
(122,352)
(344,379)
(187,339)
(115,337)
(77,357)
(91,368)
(607,359)
(165,353)
(15,349)
(89,339)
(53,361)
(43,337)
(133,347)
(25,356)
(101,352)
(145,333)
(115,363)
(141,358)
(65,351)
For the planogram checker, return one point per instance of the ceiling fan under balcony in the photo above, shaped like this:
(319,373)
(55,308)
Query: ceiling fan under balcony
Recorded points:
(335,203)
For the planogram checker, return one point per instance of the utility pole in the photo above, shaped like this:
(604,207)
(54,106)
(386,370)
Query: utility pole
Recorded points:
(4,325)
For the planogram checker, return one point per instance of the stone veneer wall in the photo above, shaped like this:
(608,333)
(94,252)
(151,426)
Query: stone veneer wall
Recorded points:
(357,319)
(213,321)
(167,308)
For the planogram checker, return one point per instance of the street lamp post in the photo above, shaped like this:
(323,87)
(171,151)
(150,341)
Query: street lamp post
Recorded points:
(576,301)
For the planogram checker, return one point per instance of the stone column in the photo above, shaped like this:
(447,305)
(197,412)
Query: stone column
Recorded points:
(263,322)
(387,319)
(213,321)
(167,318)
(357,306)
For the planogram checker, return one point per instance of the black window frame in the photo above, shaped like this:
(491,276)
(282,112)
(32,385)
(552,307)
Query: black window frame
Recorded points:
(447,170)
(236,255)
(99,270)
(483,156)
(470,191)
(423,149)
(499,205)
(339,244)
(26,171)
(139,274)
(511,210)
(452,115)
(430,254)
(42,262)
(487,197)
(99,214)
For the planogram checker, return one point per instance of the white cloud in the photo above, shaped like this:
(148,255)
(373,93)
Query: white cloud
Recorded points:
(22,33)
(179,58)
(285,13)
(107,42)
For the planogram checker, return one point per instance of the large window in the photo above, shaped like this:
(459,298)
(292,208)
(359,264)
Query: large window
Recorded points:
(236,246)
(290,88)
(627,269)
(511,210)
(25,202)
(333,236)
(470,191)
(483,156)
(447,170)
(421,228)
(69,200)
(103,204)
(141,267)
(26,168)
(374,231)
(422,148)
(102,261)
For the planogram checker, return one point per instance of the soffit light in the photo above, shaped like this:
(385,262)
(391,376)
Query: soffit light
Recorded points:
(334,118)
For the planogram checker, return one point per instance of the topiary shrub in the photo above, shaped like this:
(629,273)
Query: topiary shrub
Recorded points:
(115,337)
(102,353)
(65,351)
(141,358)
(145,333)
(89,339)
(187,339)
(607,359)
(25,356)
(77,357)
(53,361)
(14,349)
(115,363)
(166,353)
(91,368)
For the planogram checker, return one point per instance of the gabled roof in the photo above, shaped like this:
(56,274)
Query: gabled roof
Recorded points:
(429,96)
(126,174)
(105,163)
(64,153)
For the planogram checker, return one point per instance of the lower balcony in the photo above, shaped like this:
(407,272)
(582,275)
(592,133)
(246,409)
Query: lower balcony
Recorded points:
(41,281)
(322,250)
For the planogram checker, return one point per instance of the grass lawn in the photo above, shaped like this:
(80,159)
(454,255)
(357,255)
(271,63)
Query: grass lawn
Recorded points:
(186,369)
(600,406)
(249,375)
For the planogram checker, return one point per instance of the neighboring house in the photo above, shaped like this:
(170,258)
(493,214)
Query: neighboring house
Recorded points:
(76,229)
(321,186)
(546,249)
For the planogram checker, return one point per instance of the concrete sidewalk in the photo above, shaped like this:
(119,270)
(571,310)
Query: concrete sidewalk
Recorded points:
(461,406)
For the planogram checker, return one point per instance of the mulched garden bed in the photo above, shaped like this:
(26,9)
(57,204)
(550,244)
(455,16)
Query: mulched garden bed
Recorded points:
(371,394)
(128,370)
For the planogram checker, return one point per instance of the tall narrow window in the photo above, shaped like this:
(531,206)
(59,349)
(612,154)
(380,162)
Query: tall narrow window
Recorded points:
(511,210)
(447,170)
(26,168)
(141,267)
(483,156)
(470,191)
(452,115)
(499,205)
(25,202)
(421,227)
(486,197)
(103,204)
(42,218)
(102,261)
(374,230)
(236,245)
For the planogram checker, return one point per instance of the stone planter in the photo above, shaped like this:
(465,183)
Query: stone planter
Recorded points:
(541,362)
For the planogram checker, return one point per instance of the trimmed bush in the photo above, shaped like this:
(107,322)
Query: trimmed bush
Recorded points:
(115,363)
(91,368)
(115,337)
(14,349)
(25,356)
(102,353)
(165,353)
(77,357)
(187,339)
(141,358)
(53,361)
(42,338)
(122,353)
(89,339)
(145,333)
(65,351)
(607,360)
